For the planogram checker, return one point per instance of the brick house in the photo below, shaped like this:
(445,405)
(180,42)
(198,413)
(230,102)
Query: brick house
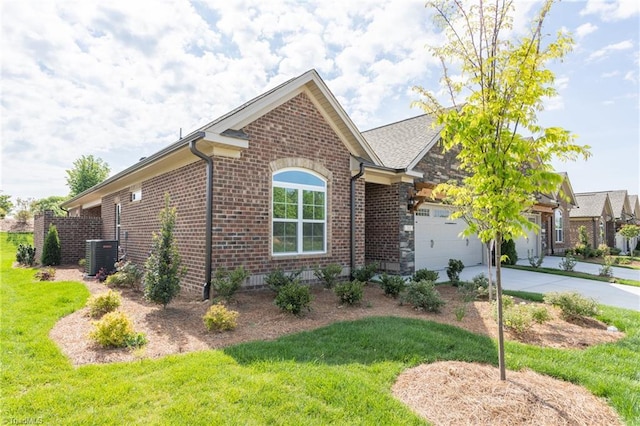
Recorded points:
(284,175)
(595,213)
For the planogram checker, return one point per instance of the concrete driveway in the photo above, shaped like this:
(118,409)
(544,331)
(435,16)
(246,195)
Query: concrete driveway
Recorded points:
(622,296)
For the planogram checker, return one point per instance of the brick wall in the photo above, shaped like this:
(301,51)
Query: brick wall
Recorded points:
(293,134)
(381,230)
(592,227)
(72,231)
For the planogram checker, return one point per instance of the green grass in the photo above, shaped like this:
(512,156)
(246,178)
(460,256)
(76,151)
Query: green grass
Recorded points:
(340,374)
(575,274)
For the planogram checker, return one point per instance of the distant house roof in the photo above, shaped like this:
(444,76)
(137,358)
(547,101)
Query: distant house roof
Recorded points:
(592,204)
(402,144)
(619,202)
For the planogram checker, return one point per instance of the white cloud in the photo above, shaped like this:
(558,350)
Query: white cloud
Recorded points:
(601,53)
(610,74)
(585,29)
(631,76)
(611,10)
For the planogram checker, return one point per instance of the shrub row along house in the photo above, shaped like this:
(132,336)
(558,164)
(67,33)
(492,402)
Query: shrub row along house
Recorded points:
(287,181)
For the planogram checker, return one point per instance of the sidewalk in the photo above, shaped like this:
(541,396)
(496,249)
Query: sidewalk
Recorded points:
(589,268)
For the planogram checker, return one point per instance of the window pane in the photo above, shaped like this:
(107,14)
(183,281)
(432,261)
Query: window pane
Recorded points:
(313,205)
(285,237)
(298,176)
(313,237)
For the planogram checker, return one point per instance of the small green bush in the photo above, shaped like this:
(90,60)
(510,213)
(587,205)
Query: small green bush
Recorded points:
(425,274)
(423,295)
(622,260)
(46,274)
(227,284)
(540,314)
(127,274)
(219,318)
(115,330)
(350,292)
(507,301)
(293,298)
(454,268)
(51,252)
(572,305)
(277,279)
(104,303)
(521,317)
(460,311)
(392,285)
(536,261)
(605,269)
(604,249)
(26,255)
(82,264)
(365,273)
(614,251)
(508,249)
(328,274)
(568,263)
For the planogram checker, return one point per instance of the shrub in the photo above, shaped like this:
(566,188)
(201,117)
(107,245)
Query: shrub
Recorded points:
(328,274)
(350,292)
(219,318)
(163,267)
(614,251)
(605,269)
(127,274)
(293,298)
(622,260)
(540,314)
(573,305)
(536,261)
(507,301)
(115,330)
(604,249)
(277,279)
(227,283)
(460,312)
(423,295)
(508,249)
(26,255)
(568,263)
(453,271)
(104,303)
(392,285)
(102,274)
(51,253)
(365,273)
(426,274)
(82,264)
(46,274)
(520,318)
(476,288)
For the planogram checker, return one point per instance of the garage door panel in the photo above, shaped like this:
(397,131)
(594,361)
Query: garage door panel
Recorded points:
(438,240)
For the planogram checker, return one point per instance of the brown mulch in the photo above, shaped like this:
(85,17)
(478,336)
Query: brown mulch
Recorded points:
(459,393)
(444,393)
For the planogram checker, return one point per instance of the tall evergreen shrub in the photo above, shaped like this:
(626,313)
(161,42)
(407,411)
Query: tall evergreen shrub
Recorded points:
(163,269)
(51,251)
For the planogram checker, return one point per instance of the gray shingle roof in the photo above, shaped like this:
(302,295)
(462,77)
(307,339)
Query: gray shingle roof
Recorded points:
(398,144)
(589,204)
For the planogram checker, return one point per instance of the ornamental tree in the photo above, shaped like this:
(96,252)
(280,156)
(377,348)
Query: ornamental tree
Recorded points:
(630,231)
(163,270)
(497,82)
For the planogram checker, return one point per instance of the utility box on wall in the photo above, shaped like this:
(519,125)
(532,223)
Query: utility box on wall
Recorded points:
(101,254)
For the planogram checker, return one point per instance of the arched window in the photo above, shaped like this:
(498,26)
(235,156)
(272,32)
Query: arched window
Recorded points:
(559,226)
(299,211)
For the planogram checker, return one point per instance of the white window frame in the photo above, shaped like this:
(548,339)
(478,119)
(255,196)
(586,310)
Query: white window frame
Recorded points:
(559,226)
(300,221)
(118,220)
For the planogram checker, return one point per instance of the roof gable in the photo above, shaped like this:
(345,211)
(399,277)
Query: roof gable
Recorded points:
(592,205)
(402,144)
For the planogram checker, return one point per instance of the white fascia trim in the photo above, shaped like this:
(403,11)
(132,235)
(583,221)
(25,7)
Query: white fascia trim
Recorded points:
(92,204)
(225,141)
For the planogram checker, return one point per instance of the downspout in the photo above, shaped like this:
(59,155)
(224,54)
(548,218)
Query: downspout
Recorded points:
(206,288)
(353,220)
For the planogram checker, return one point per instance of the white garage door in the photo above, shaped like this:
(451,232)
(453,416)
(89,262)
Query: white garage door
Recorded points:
(437,239)
(529,244)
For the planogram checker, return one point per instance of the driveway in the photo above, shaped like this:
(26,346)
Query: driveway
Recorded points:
(622,296)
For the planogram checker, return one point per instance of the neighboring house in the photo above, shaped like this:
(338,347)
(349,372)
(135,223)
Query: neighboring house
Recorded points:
(555,211)
(595,213)
(287,189)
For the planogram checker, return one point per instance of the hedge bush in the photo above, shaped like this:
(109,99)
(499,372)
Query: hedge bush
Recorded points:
(293,297)
(350,292)
(115,330)
(423,295)
(104,303)
(392,285)
(219,318)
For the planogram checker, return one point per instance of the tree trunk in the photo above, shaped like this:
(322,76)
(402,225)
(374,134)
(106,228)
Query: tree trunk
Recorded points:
(501,363)
(489,278)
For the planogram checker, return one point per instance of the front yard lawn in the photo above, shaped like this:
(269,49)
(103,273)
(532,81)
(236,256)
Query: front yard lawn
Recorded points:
(339,374)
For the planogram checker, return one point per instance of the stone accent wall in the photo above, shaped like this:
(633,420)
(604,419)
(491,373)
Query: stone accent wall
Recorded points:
(294,134)
(438,167)
(72,231)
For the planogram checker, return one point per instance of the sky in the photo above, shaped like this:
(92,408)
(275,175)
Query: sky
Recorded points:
(119,79)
